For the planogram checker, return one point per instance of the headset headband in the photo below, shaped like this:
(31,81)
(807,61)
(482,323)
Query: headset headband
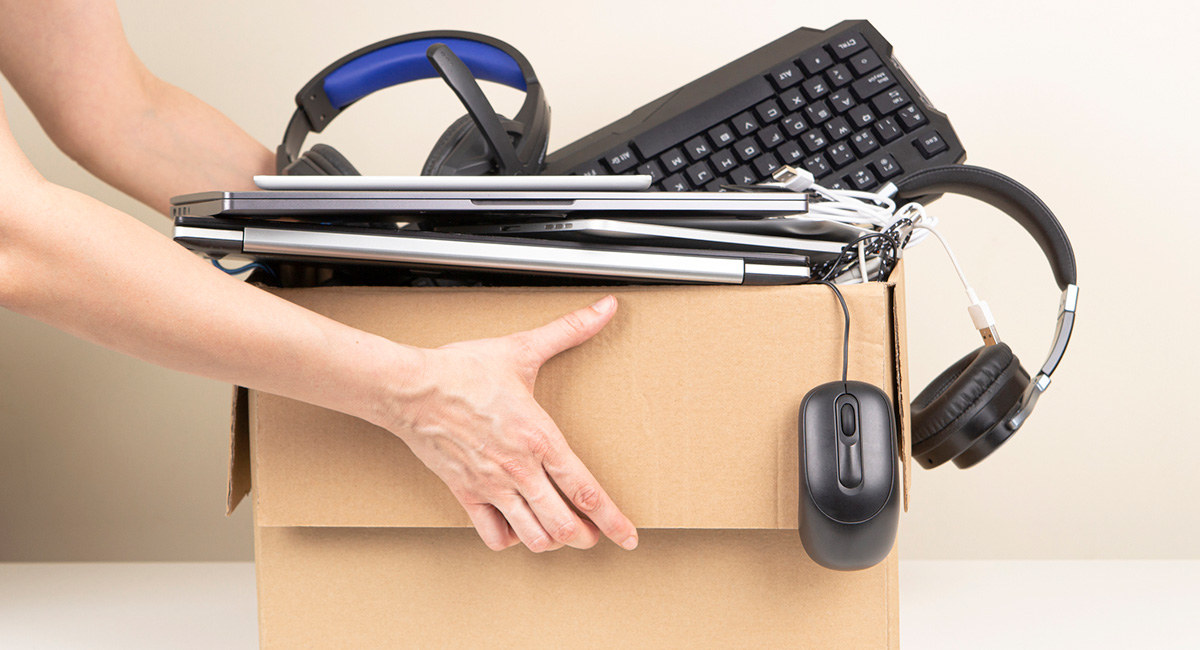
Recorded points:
(402,59)
(1027,209)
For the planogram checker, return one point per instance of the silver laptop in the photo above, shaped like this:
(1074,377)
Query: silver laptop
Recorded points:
(455,251)
(652,234)
(496,204)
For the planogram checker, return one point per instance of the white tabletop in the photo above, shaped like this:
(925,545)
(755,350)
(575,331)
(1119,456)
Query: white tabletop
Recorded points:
(943,604)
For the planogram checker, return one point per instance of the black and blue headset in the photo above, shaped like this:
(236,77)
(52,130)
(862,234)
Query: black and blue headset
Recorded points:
(481,142)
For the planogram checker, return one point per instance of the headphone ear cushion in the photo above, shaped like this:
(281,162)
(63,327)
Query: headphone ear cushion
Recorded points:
(321,160)
(966,401)
(332,161)
(461,150)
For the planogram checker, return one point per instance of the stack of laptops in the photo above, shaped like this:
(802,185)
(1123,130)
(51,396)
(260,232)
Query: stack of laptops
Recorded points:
(568,227)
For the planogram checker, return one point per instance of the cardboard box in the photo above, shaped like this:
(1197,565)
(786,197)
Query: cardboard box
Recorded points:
(684,407)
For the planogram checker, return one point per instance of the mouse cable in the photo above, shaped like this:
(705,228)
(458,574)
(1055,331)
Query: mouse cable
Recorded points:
(846,333)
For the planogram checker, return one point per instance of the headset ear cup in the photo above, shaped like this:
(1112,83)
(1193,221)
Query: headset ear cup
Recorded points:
(321,160)
(964,403)
(461,151)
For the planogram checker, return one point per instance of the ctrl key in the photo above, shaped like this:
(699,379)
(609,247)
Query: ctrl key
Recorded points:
(930,144)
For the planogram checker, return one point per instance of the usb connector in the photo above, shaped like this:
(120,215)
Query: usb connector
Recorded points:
(981,315)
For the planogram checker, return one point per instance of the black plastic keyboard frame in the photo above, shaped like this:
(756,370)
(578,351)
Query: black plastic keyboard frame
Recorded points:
(711,101)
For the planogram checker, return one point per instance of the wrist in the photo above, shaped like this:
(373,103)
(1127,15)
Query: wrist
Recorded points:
(395,385)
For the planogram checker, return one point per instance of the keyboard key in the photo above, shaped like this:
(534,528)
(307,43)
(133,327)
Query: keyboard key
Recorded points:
(862,180)
(769,111)
(861,116)
(888,130)
(838,185)
(743,176)
(814,61)
(839,75)
(910,117)
(724,161)
(872,84)
(814,141)
(771,137)
(930,144)
(790,152)
(621,159)
(793,125)
(747,148)
(815,88)
(785,76)
(792,99)
(593,169)
(676,183)
(697,148)
(817,166)
(818,113)
(864,142)
(715,185)
(865,61)
(765,164)
(847,45)
(673,160)
(889,101)
(885,166)
(841,101)
(840,154)
(652,170)
(838,128)
(744,123)
(722,135)
(699,174)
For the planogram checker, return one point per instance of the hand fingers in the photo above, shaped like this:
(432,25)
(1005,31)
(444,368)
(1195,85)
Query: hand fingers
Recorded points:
(493,529)
(555,516)
(567,332)
(525,524)
(584,491)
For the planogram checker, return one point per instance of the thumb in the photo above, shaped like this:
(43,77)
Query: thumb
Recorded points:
(567,332)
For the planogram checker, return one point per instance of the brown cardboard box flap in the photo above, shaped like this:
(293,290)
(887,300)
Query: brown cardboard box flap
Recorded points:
(684,406)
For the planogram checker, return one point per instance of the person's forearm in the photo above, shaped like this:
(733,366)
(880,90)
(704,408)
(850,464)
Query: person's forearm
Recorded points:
(79,265)
(103,108)
(175,144)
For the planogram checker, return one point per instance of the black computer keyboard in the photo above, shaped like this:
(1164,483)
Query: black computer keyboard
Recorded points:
(834,102)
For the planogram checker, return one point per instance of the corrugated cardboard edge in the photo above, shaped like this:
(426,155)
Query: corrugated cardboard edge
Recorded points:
(239,450)
(900,346)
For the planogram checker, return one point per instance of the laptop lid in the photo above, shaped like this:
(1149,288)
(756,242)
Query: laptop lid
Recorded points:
(419,249)
(490,204)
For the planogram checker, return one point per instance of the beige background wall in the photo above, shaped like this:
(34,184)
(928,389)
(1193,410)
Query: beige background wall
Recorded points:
(107,458)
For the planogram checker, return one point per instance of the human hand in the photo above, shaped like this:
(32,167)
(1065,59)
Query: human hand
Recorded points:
(475,423)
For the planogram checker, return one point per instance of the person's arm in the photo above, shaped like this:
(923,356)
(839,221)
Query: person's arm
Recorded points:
(466,409)
(69,60)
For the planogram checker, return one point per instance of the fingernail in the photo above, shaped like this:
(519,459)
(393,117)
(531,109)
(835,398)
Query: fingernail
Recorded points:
(604,305)
(630,543)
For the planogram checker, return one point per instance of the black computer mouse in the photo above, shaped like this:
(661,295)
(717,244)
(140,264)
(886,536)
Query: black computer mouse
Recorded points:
(849,475)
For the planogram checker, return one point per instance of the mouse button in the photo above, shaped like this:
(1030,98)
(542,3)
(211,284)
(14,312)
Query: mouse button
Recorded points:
(877,440)
(819,446)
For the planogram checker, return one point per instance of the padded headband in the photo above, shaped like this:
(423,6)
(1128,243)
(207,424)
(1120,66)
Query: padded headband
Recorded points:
(1005,194)
(402,59)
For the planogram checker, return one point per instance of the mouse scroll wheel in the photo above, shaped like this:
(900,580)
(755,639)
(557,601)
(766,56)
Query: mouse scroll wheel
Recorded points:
(848,427)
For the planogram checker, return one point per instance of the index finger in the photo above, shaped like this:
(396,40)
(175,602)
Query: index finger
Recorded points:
(586,494)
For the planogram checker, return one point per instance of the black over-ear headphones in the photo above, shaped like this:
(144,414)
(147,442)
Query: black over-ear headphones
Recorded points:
(976,405)
(480,142)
